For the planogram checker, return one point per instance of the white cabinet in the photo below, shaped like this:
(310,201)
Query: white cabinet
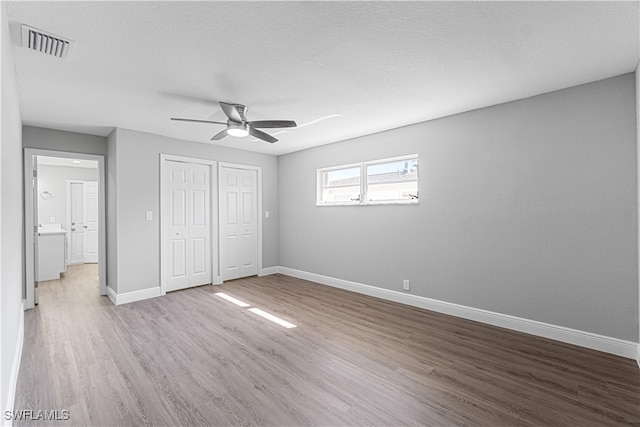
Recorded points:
(51,253)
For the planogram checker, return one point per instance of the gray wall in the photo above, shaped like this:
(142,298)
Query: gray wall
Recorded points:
(57,140)
(134,159)
(53,179)
(526,208)
(11,224)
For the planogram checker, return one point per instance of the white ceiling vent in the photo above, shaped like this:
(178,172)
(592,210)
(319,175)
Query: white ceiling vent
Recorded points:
(47,43)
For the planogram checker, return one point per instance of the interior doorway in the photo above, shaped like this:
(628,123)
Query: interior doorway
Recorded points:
(64,216)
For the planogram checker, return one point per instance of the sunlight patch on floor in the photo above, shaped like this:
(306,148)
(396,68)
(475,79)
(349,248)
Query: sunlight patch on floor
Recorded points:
(257,311)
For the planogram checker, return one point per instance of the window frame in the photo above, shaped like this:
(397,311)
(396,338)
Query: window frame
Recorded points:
(364,184)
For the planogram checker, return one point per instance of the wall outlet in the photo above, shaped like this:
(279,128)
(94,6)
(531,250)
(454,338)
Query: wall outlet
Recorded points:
(405,284)
(52,220)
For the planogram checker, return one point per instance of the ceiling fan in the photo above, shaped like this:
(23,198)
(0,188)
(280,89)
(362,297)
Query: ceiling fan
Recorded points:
(239,126)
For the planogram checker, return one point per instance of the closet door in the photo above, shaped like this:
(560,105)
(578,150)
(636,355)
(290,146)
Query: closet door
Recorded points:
(239,222)
(187,225)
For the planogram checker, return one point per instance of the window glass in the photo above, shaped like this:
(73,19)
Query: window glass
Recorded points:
(342,177)
(393,181)
(341,195)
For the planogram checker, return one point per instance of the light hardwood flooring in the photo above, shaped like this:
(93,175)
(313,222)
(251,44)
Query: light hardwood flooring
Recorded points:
(192,358)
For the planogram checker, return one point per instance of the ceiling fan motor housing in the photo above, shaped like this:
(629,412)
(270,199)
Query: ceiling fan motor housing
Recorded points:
(242,110)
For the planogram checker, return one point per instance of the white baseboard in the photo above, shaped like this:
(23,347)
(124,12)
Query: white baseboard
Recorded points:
(590,340)
(127,297)
(112,295)
(15,366)
(268,271)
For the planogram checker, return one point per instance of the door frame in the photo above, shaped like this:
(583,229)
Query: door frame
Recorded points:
(213,212)
(258,169)
(29,224)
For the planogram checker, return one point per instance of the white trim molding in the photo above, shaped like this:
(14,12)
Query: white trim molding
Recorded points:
(15,366)
(267,271)
(127,297)
(590,340)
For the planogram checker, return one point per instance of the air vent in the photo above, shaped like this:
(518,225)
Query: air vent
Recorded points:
(46,43)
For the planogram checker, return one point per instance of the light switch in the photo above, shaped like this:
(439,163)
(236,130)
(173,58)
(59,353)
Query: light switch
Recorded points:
(266,214)
(148,215)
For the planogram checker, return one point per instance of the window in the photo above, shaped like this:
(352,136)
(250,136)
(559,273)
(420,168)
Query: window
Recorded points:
(378,182)
(341,185)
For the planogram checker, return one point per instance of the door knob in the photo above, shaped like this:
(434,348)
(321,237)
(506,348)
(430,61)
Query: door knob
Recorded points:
(84,226)
(73,229)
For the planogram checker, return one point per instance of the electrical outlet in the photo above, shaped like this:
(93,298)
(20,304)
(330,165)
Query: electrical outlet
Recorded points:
(405,284)
(52,220)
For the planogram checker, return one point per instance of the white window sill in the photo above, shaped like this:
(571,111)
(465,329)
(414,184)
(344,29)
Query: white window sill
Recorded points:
(399,202)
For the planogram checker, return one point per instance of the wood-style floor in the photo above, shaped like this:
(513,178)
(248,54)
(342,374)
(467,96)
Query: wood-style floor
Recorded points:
(192,358)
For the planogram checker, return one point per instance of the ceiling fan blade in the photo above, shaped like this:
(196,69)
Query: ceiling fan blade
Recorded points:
(231,112)
(273,124)
(218,136)
(261,135)
(197,121)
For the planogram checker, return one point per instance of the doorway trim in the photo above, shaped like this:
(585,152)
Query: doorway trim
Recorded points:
(258,170)
(213,212)
(29,225)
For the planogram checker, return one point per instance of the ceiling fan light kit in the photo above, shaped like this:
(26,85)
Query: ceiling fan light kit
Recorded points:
(239,126)
(238,130)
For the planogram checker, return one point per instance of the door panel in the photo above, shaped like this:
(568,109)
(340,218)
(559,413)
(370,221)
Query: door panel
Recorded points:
(76,229)
(232,206)
(199,212)
(238,217)
(199,253)
(199,226)
(90,217)
(246,252)
(176,232)
(179,258)
(179,207)
(187,225)
(247,208)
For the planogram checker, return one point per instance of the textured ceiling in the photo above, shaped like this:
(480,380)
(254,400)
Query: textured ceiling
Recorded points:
(340,69)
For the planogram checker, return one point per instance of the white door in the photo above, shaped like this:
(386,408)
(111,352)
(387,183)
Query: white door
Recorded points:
(187,225)
(76,222)
(90,217)
(239,222)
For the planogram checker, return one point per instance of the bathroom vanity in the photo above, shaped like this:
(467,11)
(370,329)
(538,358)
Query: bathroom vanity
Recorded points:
(51,252)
